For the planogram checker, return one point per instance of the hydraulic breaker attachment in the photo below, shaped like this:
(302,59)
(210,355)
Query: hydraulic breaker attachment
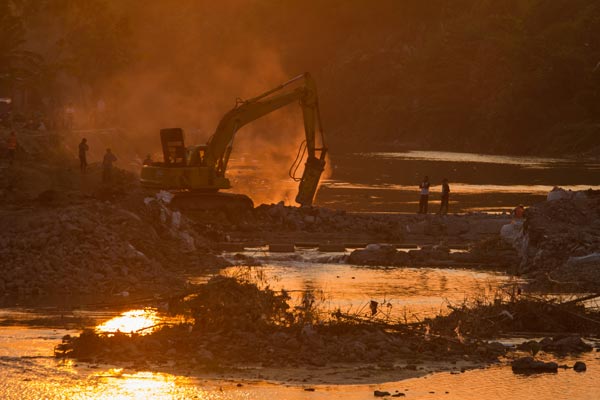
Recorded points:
(310,180)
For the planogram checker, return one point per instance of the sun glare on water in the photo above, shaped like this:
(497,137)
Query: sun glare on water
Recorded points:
(131,321)
(117,384)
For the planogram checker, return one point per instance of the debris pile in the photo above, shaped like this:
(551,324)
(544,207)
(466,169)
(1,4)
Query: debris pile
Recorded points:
(488,254)
(235,323)
(92,247)
(107,241)
(561,241)
(517,313)
(276,222)
(318,219)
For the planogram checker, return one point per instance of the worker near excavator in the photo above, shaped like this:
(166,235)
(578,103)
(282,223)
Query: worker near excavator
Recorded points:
(519,212)
(11,147)
(445,197)
(83,148)
(107,162)
(424,199)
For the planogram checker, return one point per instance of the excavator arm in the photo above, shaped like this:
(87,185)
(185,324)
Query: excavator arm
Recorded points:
(201,169)
(220,145)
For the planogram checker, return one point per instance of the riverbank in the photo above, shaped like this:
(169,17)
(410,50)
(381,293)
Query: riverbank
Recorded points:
(64,232)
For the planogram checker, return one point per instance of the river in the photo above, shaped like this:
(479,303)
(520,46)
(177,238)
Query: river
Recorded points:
(366,182)
(388,182)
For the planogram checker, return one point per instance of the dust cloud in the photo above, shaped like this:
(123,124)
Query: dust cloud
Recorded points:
(190,64)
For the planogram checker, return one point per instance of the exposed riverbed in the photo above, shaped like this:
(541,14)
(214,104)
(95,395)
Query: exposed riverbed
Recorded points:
(28,370)
(380,182)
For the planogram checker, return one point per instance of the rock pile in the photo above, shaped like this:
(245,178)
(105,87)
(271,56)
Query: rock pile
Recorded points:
(559,344)
(92,246)
(490,253)
(281,217)
(274,221)
(561,241)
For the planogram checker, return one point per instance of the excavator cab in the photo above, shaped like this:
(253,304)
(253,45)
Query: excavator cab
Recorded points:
(173,146)
(196,156)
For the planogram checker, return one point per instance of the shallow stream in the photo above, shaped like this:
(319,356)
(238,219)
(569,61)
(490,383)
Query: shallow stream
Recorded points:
(28,369)
(374,182)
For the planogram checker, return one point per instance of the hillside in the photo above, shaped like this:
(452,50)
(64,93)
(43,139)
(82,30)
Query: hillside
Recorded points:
(470,75)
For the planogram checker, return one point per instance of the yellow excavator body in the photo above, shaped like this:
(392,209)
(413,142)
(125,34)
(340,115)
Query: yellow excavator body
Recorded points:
(198,172)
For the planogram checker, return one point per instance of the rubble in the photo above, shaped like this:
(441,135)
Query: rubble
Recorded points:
(63,233)
(560,242)
(487,254)
(276,222)
(90,247)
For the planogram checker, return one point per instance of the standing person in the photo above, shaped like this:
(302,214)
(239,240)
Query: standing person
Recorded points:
(519,211)
(424,199)
(109,158)
(11,147)
(83,148)
(445,197)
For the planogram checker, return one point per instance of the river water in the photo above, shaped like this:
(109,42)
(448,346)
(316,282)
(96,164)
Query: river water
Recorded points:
(374,182)
(406,294)
(28,369)
(388,182)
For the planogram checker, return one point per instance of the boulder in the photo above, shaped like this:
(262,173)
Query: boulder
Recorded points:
(385,255)
(379,393)
(569,344)
(529,365)
(512,233)
(579,366)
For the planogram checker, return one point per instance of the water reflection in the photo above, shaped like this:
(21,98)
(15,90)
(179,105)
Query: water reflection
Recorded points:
(461,188)
(138,385)
(140,321)
(387,182)
(413,293)
(473,158)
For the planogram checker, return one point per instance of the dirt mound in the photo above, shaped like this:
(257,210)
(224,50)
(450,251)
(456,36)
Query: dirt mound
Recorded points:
(90,247)
(63,232)
(561,239)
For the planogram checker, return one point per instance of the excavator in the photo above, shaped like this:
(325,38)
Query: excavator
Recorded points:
(196,173)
